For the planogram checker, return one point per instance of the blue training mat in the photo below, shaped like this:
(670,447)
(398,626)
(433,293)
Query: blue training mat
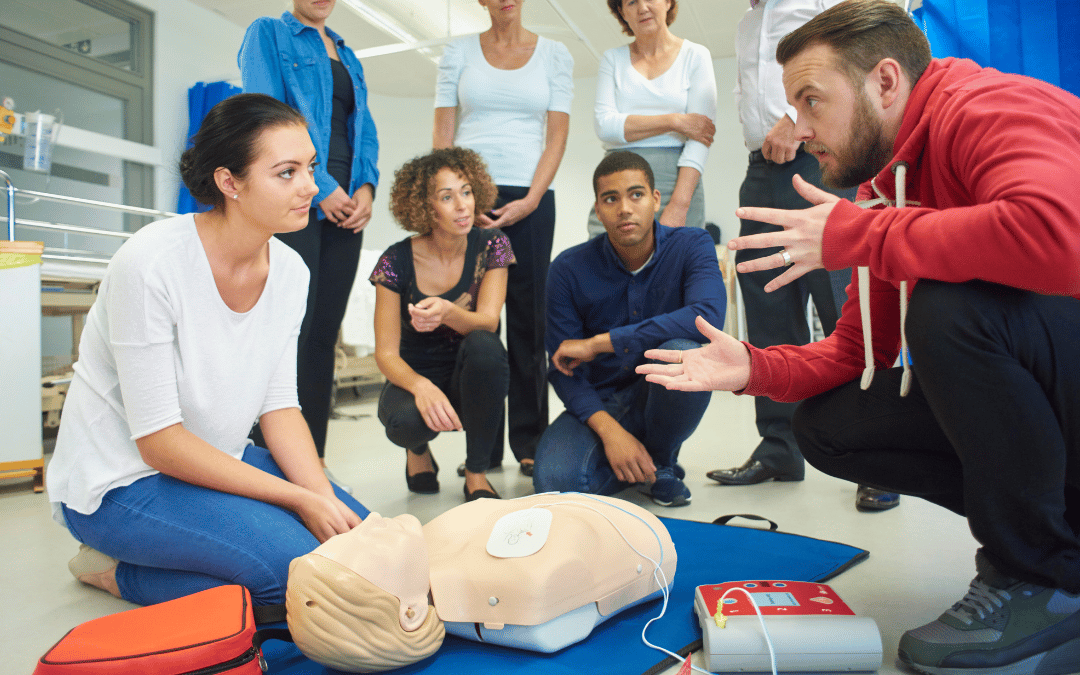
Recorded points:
(708,554)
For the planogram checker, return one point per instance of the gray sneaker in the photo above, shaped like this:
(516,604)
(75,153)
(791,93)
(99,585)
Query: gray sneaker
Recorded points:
(1001,627)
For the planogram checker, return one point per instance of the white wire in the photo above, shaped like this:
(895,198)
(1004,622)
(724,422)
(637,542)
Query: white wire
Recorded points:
(658,573)
(761,619)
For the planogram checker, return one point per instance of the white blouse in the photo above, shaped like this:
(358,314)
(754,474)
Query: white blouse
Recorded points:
(688,86)
(161,347)
(503,113)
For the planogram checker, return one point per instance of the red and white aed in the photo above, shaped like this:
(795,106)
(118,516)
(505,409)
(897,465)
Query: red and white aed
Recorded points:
(810,627)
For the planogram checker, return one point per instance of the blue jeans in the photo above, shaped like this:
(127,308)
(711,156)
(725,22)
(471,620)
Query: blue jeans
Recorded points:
(571,458)
(173,538)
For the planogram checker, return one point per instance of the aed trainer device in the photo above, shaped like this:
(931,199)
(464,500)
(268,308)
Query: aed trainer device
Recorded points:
(809,626)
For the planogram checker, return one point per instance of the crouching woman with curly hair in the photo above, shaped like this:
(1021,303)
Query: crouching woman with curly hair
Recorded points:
(439,294)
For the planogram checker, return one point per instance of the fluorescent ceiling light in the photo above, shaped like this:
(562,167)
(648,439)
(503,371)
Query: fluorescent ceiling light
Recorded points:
(381,21)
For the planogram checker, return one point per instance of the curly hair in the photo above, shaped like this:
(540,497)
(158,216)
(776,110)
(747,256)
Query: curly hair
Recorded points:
(616,8)
(411,200)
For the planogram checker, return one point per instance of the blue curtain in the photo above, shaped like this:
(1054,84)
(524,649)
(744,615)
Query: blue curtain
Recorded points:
(1038,38)
(201,98)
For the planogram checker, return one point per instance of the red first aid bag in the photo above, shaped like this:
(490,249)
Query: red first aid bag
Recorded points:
(212,631)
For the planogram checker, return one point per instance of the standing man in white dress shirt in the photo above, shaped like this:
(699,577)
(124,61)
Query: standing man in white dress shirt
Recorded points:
(779,317)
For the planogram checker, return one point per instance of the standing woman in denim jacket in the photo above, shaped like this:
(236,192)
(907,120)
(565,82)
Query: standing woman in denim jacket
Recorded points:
(298,60)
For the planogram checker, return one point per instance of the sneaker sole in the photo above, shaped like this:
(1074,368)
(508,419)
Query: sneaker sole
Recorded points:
(677,502)
(1061,660)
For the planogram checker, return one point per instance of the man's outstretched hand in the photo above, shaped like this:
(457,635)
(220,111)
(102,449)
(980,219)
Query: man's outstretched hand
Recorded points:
(721,365)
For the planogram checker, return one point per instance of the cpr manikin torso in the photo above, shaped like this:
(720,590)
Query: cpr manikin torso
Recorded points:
(493,581)
(537,573)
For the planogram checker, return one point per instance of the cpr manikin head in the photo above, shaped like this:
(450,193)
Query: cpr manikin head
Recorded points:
(359,602)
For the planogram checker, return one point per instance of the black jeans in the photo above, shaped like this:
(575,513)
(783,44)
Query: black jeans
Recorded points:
(526,314)
(331,255)
(476,388)
(990,430)
(779,318)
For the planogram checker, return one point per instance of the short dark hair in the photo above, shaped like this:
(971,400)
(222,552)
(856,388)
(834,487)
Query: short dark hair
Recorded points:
(411,196)
(862,33)
(229,138)
(616,8)
(622,160)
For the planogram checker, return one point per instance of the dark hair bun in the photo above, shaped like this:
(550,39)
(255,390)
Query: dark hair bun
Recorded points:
(228,138)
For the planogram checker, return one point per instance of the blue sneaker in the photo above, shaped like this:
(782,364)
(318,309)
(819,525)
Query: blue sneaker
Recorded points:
(668,489)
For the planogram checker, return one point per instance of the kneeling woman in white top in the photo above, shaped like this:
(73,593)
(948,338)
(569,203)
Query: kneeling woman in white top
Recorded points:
(657,97)
(191,340)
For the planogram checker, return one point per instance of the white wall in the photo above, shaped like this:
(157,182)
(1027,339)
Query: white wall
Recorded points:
(191,44)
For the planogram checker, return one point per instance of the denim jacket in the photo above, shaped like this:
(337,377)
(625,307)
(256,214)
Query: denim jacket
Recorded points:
(287,60)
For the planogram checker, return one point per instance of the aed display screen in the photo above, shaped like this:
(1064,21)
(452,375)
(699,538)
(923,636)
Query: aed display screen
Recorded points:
(775,599)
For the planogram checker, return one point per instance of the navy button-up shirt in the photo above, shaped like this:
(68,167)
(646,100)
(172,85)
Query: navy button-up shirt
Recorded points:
(590,292)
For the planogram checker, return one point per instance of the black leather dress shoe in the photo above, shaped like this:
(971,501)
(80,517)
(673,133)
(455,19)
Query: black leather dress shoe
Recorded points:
(751,473)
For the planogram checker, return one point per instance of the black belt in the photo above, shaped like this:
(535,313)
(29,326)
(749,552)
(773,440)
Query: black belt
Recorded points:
(756,157)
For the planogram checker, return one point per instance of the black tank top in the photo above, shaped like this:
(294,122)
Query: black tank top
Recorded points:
(339,156)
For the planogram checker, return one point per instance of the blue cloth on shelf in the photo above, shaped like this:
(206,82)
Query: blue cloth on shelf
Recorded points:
(201,98)
(707,553)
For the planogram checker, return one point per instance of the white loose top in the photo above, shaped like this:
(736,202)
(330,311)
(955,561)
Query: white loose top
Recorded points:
(161,347)
(503,113)
(688,86)
(759,89)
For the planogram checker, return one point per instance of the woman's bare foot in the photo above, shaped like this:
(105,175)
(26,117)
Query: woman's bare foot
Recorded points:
(96,569)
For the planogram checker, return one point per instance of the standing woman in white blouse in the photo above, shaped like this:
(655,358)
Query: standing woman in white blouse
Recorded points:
(657,97)
(508,91)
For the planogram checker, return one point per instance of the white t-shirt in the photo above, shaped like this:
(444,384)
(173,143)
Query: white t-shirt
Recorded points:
(688,86)
(503,113)
(161,347)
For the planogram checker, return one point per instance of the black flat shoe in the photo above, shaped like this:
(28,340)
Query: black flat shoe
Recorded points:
(751,473)
(425,482)
(480,494)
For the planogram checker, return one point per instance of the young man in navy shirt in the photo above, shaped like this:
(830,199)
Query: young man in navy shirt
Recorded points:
(637,287)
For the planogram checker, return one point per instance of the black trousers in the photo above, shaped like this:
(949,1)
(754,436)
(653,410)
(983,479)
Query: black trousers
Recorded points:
(990,430)
(476,388)
(332,255)
(779,318)
(526,316)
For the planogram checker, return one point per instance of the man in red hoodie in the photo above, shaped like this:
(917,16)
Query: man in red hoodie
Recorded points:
(978,216)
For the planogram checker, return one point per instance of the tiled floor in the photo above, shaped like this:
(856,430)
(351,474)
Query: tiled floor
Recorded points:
(921,556)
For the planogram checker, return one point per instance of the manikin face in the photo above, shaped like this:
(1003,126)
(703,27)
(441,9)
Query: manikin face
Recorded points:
(313,12)
(502,8)
(836,119)
(278,187)
(390,553)
(455,205)
(626,206)
(645,16)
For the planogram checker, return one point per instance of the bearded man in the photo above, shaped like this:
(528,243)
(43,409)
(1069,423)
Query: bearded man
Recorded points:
(974,251)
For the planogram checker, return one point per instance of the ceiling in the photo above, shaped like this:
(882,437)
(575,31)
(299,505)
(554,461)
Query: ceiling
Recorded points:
(586,27)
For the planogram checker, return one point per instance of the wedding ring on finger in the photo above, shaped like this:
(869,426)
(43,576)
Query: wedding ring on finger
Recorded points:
(786,256)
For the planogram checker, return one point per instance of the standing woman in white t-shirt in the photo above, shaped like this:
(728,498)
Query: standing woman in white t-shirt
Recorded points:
(657,97)
(509,91)
(192,338)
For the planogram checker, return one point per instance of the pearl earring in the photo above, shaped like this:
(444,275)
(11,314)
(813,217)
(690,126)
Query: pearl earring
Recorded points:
(236,196)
